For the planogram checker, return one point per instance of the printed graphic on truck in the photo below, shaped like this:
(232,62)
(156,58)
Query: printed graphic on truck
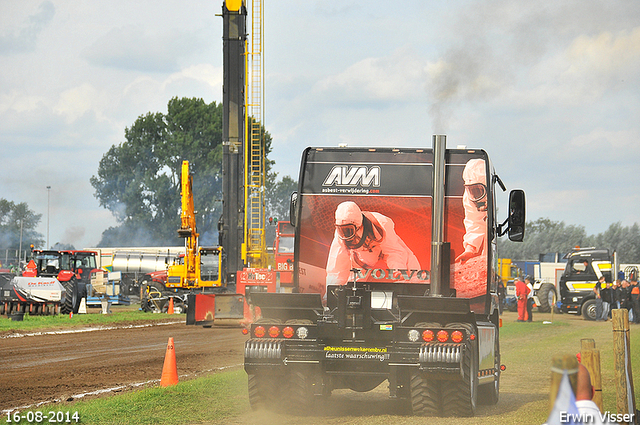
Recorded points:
(364,217)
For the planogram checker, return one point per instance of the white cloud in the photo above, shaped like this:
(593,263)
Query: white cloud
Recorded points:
(393,78)
(22,36)
(75,102)
(132,48)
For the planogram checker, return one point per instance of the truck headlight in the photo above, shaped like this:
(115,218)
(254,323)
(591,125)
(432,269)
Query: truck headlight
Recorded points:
(302,332)
(413,335)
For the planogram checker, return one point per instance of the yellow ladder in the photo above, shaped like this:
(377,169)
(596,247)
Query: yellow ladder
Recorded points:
(256,250)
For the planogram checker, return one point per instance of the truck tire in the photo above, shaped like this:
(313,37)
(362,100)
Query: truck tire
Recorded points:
(460,397)
(153,298)
(546,295)
(264,391)
(300,391)
(588,309)
(425,395)
(71,299)
(512,304)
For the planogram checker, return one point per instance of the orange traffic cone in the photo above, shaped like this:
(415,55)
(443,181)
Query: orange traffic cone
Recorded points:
(169,370)
(170,309)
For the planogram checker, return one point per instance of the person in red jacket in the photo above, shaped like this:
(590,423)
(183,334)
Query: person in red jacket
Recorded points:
(521,294)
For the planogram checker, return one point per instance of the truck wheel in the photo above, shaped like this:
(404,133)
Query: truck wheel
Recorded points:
(300,391)
(460,397)
(589,309)
(264,391)
(71,300)
(425,395)
(153,299)
(546,295)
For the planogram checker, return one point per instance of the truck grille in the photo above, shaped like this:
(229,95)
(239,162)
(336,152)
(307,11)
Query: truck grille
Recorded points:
(263,349)
(442,353)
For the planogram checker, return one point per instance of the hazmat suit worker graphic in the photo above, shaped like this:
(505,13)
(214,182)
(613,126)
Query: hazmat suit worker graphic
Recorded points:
(365,240)
(474,201)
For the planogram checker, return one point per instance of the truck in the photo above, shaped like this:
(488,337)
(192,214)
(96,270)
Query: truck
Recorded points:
(584,267)
(394,259)
(72,268)
(544,281)
(283,252)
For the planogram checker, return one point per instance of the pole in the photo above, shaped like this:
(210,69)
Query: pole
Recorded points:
(625,399)
(591,360)
(48,213)
(20,247)
(437,216)
(560,364)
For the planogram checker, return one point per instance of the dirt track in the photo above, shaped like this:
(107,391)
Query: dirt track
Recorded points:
(44,368)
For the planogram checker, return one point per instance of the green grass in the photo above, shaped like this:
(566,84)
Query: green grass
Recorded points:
(205,400)
(119,315)
(527,350)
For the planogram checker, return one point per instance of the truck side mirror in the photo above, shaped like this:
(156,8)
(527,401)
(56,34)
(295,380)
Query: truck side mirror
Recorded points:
(516,215)
(293,209)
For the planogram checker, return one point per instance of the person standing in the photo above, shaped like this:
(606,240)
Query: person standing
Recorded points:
(501,294)
(597,291)
(615,294)
(625,293)
(521,294)
(634,295)
(530,301)
(606,294)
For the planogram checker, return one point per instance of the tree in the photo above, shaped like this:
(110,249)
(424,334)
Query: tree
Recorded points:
(543,236)
(18,224)
(624,240)
(278,197)
(277,203)
(139,180)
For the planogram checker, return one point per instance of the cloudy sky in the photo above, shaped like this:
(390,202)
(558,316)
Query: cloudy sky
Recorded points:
(550,89)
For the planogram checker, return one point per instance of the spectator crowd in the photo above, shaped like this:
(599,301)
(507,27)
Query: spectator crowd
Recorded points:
(620,294)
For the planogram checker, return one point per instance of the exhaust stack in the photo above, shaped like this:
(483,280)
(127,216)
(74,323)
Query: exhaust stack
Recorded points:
(439,264)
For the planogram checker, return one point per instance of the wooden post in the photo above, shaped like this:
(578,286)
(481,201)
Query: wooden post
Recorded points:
(591,360)
(559,364)
(587,344)
(625,398)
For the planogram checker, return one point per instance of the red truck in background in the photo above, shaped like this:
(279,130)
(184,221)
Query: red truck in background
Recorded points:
(283,252)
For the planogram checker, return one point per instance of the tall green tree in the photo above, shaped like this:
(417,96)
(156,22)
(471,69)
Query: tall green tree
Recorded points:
(277,203)
(139,179)
(18,224)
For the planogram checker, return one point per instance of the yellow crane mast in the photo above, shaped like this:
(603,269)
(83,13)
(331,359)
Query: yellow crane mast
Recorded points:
(255,155)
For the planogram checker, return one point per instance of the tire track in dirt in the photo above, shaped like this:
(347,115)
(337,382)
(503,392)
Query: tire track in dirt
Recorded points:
(49,367)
